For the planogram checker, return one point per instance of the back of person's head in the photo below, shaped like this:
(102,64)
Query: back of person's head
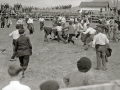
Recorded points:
(14,70)
(70,23)
(84,64)
(100,29)
(49,85)
(21,31)
(17,26)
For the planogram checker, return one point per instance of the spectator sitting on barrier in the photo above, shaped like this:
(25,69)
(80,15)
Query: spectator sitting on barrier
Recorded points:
(80,77)
(49,85)
(83,76)
(15,74)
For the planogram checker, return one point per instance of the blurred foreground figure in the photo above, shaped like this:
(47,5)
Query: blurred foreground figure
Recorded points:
(15,73)
(49,85)
(23,48)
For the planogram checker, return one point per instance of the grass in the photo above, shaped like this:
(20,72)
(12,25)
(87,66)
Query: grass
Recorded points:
(53,60)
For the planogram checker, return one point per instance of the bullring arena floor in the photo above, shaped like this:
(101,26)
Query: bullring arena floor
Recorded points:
(53,60)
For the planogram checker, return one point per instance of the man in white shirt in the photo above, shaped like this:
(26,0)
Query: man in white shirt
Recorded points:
(15,35)
(41,20)
(89,34)
(15,73)
(100,42)
(63,21)
(30,25)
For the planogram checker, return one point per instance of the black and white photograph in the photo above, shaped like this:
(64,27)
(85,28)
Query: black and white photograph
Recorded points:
(59,44)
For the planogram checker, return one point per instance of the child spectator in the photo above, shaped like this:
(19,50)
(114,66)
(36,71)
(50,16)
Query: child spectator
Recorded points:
(15,73)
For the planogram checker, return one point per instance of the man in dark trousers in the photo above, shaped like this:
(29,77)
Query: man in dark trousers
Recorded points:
(100,43)
(23,49)
(2,22)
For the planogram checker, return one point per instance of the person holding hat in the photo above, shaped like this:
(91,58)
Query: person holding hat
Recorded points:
(23,48)
(100,43)
(81,77)
(49,85)
(15,73)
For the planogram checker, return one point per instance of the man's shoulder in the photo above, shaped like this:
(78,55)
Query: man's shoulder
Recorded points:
(7,87)
(24,87)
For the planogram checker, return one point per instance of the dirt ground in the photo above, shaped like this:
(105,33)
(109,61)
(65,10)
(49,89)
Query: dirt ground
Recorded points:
(52,60)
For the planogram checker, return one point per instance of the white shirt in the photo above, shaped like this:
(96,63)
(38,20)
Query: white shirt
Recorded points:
(30,20)
(15,34)
(79,27)
(60,18)
(90,30)
(100,39)
(108,22)
(41,19)
(20,21)
(63,20)
(15,85)
(59,28)
(85,26)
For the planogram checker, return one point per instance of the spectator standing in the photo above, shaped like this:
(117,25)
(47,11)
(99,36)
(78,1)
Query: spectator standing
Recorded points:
(15,73)
(100,43)
(30,25)
(41,20)
(23,48)
(115,30)
(2,22)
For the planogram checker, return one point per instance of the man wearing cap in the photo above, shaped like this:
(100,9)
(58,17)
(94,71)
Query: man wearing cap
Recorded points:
(82,76)
(100,42)
(15,73)
(23,48)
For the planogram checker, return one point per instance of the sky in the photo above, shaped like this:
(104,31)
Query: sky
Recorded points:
(47,3)
(44,3)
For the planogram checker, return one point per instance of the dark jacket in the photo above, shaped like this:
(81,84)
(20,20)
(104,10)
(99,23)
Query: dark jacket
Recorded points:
(23,46)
